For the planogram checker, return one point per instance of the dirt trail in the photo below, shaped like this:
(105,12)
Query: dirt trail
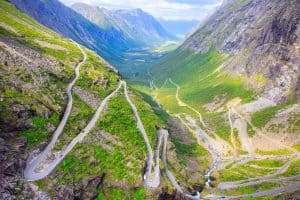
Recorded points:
(218,141)
(148,180)
(153,179)
(241,125)
(164,134)
(181,103)
(259,132)
(232,139)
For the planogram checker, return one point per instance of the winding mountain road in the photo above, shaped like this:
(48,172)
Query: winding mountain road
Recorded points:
(148,172)
(153,180)
(34,162)
(40,166)
(200,134)
(162,133)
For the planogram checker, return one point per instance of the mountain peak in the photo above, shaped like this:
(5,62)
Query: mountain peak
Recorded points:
(133,12)
(135,24)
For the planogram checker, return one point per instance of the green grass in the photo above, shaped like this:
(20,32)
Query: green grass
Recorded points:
(294,122)
(250,131)
(29,30)
(201,83)
(39,133)
(261,118)
(150,120)
(96,78)
(158,111)
(80,116)
(297,147)
(188,150)
(123,164)
(275,152)
(293,170)
(253,189)
(244,172)
(139,194)
(267,163)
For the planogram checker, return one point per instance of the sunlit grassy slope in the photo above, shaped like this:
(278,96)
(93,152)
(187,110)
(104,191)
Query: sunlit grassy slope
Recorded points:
(17,26)
(114,148)
(121,156)
(201,81)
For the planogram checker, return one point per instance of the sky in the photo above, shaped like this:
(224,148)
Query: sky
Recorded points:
(166,9)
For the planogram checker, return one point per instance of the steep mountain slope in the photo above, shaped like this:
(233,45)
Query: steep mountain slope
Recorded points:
(180,28)
(263,39)
(109,43)
(235,84)
(52,89)
(102,17)
(131,23)
(146,27)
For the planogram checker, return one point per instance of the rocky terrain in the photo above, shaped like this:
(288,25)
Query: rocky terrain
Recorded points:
(220,116)
(33,82)
(102,160)
(234,83)
(262,38)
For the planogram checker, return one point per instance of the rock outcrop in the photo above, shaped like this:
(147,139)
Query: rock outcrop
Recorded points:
(263,39)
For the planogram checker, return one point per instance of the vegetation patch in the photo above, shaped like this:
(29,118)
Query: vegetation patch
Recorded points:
(293,170)
(39,133)
(244,172)
(261,118)
(275,152)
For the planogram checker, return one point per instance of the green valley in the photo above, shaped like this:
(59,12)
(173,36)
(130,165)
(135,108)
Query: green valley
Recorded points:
(106,103)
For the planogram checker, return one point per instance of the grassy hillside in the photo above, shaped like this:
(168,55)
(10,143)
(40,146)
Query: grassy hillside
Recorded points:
(36,65)
(201,81)
(222,80)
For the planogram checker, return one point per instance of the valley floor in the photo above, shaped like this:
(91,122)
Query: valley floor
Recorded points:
(240,167)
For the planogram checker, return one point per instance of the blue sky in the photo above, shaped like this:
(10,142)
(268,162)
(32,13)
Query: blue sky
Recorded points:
(167,9)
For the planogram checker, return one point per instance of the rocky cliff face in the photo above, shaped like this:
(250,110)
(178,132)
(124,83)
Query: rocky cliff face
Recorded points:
(262,37)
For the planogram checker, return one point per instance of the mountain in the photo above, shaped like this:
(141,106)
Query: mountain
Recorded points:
(146,27)
(180,28)
(109,42)
(235,84)
(134,24)
(104,18)
(70,128)
(270,54)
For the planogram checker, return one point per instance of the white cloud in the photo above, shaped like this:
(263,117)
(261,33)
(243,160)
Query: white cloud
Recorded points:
(159,8)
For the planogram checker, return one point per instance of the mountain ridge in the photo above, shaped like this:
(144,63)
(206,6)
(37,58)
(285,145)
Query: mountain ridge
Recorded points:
(110,44)
(269,55)
(131,22)
(51,87)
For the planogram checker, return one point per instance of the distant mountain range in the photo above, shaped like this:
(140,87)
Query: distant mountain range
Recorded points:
(135,24)
(108,33)
(180,28)
(109,43)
